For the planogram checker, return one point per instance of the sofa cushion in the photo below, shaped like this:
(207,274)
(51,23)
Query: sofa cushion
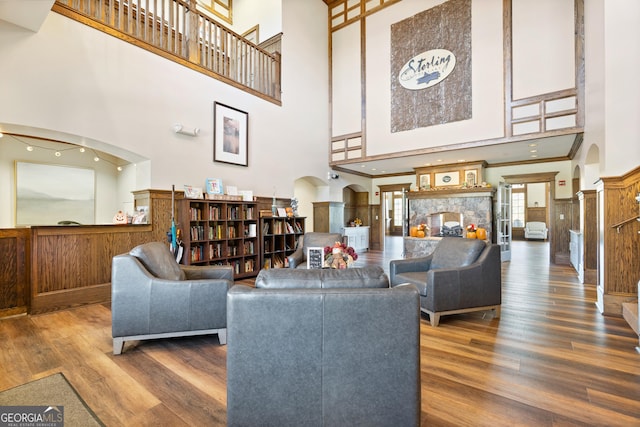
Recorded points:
(157,259)
(454,252)
(326,278)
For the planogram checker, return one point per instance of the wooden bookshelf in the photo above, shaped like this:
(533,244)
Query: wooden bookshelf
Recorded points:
(219,232)
(279,237)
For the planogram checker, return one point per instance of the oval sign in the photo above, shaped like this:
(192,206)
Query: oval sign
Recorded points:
(427,69)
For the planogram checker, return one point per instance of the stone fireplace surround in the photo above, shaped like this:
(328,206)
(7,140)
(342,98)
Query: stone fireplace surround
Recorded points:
(433,207)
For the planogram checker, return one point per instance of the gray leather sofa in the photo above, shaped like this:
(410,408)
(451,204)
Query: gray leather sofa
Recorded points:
(308,349)
(298,259)
(461,275)
(152,296)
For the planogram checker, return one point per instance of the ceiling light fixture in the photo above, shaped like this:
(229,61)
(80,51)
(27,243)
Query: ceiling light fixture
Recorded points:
(29,148)
(96,159)
(58,154)
(82,149)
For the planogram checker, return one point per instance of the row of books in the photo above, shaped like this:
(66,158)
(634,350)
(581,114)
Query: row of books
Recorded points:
(276,261)
(240,212)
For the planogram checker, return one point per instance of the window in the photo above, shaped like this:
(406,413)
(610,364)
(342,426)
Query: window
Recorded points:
(397,209)
(517,207)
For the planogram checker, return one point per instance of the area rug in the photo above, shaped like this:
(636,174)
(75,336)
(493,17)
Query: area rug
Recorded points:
(59,404)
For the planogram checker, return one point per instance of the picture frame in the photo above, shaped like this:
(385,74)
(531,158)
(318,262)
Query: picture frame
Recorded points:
(471,177)
(424,181)
(214,186)
(315,258)
(252,34)
(282,212)
(443,179)
(191,192)
(230,135)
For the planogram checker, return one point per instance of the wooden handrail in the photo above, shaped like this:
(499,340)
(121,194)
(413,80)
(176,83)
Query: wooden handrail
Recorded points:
(619,225)
(177,30)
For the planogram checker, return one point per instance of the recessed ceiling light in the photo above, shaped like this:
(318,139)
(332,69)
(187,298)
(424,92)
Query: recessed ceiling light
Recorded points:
(58,154)
(534,155)
(533,144)
(82,149)
(533,151)
(439,160)
(374,169)
(427,164)
(363,166)
(461,160)
(29,148)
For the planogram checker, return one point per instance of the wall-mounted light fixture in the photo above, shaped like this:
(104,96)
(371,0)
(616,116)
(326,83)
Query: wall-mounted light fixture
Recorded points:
(179,128)
(332,175)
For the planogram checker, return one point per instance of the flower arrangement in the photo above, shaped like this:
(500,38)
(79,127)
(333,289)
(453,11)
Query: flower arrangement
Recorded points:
(339,256)
(471,228)
(357,222)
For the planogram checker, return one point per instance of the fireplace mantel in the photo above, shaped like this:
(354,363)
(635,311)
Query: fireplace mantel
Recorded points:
(452,192)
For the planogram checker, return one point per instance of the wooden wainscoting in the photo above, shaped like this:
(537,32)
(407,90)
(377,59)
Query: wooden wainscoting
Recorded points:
(619,251)
(71,266)
(14,271)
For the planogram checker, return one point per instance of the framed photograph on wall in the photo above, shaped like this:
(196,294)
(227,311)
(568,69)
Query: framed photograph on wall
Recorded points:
(230,135)
(424,181)
(471,177)
(447,178)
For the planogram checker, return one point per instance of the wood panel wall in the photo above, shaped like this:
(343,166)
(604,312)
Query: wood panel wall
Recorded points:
(14,271)
(589,227)
(561,239)
(619,258)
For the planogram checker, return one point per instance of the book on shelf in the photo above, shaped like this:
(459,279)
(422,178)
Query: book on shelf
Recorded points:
(253,230)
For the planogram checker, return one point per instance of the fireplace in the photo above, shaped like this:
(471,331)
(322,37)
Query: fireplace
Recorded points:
(447,213)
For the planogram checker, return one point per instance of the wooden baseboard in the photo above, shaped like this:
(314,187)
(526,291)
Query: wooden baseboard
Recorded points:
(58,300)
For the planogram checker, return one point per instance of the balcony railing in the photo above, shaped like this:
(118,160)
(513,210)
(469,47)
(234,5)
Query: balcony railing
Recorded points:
(176,30)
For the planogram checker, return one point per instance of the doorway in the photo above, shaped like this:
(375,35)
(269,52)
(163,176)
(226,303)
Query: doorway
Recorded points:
(533,201)
(392,210)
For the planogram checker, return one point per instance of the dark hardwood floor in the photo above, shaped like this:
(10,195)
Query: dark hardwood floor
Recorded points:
(550,360)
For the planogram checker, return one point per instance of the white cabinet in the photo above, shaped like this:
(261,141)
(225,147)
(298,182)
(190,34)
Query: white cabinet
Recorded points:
(357,237)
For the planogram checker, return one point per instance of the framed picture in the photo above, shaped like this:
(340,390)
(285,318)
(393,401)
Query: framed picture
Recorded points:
(447,178)
(230,135)
(49,194)
(282,212)
(471,177)
(315,258)
(191,192)
(425,181)
(214,186)
(252,34)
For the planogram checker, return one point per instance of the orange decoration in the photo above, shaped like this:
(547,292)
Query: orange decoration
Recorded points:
(413,231)
(420,233)
(471,235)
(481,233)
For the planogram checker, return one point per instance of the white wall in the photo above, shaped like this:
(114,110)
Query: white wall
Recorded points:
(267,14)
(73,82)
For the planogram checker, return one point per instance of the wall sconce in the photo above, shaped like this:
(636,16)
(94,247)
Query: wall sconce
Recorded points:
(178,128)
(332,175)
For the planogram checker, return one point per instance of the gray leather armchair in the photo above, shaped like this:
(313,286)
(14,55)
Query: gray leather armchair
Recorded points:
(324,350)
(461,275)
(152,296)
(298,259)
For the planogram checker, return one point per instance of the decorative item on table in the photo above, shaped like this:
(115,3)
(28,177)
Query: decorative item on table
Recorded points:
(191,192)
(339,256)
(214,186)
(294,206)
(471,231)
(357,222)
(420,230)
(120,218)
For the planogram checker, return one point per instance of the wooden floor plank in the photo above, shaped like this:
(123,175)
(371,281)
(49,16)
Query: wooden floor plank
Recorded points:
(550,360)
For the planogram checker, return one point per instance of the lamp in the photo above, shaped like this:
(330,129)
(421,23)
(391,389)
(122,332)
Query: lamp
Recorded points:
(179,128)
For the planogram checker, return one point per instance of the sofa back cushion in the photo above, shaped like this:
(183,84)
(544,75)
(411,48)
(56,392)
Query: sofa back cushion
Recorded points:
(157,259)
(282,278)
(454,252)
(536,226)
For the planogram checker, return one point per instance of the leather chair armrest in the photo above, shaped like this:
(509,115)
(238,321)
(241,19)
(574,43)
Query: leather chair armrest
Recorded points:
(199,272)
(407,265)
(296,258)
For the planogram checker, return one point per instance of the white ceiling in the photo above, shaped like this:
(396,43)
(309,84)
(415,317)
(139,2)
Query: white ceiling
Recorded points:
(546,149)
